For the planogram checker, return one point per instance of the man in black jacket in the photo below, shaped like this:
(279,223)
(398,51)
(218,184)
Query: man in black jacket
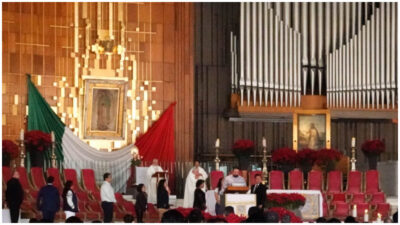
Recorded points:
(14,196)
(260,190)
(48,200)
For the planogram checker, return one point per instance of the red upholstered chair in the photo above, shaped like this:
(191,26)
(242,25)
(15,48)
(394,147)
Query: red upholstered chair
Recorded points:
(129,207)
(252,180)
(378,197)
(325,209)
(315,181)
(70,174)
(89,180)
(338,197)
(54,172)
(357,198)
(340,210)
(94,206)
(7,174)
(276,179)
(296,180)
(215,175)
(372,182)
(82,196)
(89,215)
(120,199)
(95,195)
(383,209)
(23,179)
(354,182)
(334,182)
(361,207)
(37,177)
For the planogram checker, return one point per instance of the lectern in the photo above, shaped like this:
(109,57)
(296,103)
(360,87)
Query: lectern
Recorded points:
(236,189)
(160,175)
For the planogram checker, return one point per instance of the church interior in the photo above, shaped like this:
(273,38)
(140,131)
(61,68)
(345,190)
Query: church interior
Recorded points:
(209,101)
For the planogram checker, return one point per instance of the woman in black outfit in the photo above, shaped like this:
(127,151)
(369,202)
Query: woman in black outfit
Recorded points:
(70,201)
(141,202)
(163,195)
(199,196)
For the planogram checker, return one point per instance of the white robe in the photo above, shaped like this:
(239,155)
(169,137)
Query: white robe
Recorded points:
(152,183)
(190,187)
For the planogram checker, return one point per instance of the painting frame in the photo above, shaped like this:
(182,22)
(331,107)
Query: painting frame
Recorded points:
(298,125)
(114,91)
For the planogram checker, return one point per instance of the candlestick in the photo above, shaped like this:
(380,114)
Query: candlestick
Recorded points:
(53,148)
(379,219)
(264,161)
(217,160)
(354,212)
(217,143)
(353,154)
(264,142)
(366,216)
(21,135)
(353,142)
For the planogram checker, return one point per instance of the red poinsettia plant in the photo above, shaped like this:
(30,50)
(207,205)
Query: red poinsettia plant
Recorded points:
(243,147)
(374,147)
(326,156)
(37,140)
(289,201)
(284,156)
(282,212)
(10,148)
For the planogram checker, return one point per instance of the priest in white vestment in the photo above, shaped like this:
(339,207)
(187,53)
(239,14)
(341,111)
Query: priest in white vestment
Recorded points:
(195,174)
(152,181)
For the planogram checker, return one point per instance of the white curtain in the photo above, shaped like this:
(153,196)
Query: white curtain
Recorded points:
(78,155)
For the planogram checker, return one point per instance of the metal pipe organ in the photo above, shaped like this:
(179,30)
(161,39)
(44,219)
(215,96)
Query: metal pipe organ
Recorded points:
(346,51)
(368,59)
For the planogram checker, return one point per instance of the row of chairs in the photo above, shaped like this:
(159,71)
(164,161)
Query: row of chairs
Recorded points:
(356,181)
(87,192)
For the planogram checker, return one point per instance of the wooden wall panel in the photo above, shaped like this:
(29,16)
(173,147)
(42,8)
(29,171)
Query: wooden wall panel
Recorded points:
(46,33)
(213,23)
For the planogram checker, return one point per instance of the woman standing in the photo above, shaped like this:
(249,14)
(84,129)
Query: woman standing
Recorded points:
(163,193)
(141,202)
(219,208)
(70,200)
(199,196)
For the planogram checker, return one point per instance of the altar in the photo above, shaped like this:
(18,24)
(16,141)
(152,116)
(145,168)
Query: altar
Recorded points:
(313,207)
(240,202)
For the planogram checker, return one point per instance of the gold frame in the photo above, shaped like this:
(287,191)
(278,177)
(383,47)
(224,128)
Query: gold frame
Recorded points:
(110,84)
(311,112)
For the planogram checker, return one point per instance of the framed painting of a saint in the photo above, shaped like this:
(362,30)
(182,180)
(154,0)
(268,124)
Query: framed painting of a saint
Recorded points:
(311,129)
(104,109)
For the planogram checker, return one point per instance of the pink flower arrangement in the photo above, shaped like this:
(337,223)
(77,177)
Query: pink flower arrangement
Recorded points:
(37,140)
(282,212)
(324,156)
(10,148)
(284,156)
(373,147)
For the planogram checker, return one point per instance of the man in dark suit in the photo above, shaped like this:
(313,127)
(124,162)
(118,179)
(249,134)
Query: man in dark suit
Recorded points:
(260,190)
(48,200)
(14,196)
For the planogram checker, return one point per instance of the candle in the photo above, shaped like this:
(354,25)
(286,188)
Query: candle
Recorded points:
(264,142)
(53,139)
(217,143)
(353,142)
(354,213)
(366,217)
(21,135)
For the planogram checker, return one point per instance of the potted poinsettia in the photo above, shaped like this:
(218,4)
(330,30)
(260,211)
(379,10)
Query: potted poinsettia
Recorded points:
(372,149)
(36,143)
(305,160)
(285,158)
(242,149)
(326,159)
(10,152)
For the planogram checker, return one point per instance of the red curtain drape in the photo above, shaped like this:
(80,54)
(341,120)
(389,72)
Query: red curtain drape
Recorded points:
(158,141)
